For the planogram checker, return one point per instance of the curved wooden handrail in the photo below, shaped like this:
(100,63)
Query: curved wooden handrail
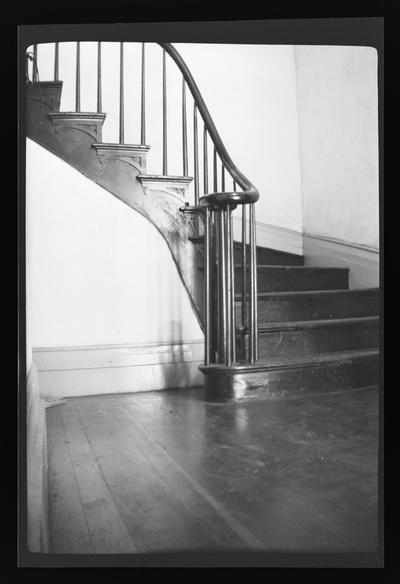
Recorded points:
(250,194)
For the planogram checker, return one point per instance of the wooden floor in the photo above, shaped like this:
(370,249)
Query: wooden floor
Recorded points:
(164,471)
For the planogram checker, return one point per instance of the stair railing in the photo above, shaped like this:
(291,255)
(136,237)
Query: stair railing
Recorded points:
(214,206)
(219,268)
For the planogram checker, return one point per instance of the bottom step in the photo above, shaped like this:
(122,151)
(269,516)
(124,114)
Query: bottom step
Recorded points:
(277,378)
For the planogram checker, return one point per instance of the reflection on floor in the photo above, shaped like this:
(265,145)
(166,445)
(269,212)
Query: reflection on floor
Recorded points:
(164,471)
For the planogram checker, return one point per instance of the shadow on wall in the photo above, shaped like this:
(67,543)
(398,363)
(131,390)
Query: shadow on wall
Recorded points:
(179,372)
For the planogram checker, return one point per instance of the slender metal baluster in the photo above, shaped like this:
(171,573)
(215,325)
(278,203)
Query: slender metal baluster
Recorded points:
(207,323)
(234,185)
(253,332)
(121,95)
(34,65)
(255,307)
(222,275)
(244,267)
(143,101)
(228,276)
(213,288)
(215,171)
(56,63)
(184,130)
(99,104)
(217,280)
(205,161)
(195,157)
(165,144)
(222,178)
(78,78)
(232,278)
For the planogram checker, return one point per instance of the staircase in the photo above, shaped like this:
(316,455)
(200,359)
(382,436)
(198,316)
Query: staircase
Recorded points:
(273,326)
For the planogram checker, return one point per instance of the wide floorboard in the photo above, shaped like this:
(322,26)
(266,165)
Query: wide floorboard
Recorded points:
(166,472)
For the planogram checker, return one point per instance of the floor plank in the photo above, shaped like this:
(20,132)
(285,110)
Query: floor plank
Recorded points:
(108,531)
(155,517)
(69,532)
(294,475)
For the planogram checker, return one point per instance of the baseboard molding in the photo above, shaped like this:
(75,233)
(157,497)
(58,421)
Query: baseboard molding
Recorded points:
(105,369)
(362,261)
(37,493)
(272,236)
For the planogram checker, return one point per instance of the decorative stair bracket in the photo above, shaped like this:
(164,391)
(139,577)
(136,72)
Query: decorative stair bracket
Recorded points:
(90,123)
(132,154)
(176,186)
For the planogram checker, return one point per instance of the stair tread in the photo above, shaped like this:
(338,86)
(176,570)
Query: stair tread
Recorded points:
(73,114)
(300,293)
(298,360)
(296,268)
(305,324)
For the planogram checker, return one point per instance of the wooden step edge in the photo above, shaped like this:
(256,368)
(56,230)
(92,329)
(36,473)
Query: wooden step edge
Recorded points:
(275,363)
(238,244)
(81,116)
(305,293)
(317,323)
(300,269)
(290,268)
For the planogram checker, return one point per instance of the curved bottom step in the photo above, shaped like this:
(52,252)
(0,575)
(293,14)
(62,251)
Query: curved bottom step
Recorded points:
(278,378)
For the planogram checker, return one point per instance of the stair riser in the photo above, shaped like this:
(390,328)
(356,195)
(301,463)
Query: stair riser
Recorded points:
(324,339)
(270,257)
(314,307)
(282,281)
(284,383)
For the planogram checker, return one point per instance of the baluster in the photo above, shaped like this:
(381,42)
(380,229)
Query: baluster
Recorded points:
(232,278)
(99,104)
(121,95)
(207,246)
(244,267)
(143,102)
(205,161)
(255,286)
(34,65)
(196,157)
(253,329)
(234,185)
(213,287)
(56,63)
(222,178)
(215,171)
(184,130)
(78,78)
(217,282)
(222,289)
(165,145)
(228,278)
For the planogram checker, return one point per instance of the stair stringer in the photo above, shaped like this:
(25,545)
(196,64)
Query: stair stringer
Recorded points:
(119,177)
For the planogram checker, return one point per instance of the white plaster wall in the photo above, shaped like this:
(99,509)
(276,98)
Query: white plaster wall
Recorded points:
(100,273)
(338,120)
(250,91)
